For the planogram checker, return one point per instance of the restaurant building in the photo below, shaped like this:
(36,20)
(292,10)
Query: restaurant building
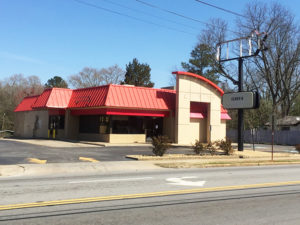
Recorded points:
(126,114)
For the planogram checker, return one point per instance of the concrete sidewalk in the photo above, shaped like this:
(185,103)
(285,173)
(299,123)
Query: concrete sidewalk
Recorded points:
(75,168)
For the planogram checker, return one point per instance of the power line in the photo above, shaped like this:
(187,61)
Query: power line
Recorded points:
(182,16)
(128,16)
(149,14)
(220,8)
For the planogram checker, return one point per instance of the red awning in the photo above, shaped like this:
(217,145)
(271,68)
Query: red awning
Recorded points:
(122,112)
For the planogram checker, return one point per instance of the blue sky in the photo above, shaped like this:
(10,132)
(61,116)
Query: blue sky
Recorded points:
(60,37)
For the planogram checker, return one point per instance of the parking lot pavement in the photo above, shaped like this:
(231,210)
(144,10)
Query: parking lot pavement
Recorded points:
(16,152)
(24,152)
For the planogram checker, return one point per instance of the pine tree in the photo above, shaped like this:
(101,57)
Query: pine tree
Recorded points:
(201,63)
(138,74)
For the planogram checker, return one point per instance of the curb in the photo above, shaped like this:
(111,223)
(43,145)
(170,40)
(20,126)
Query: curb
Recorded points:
(185,165)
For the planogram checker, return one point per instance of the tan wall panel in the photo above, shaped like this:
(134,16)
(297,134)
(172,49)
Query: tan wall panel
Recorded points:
(183,134)
(184,100)
(195,87)
(205,97)
(184,116)
(184,84)
(215,117)
(127,138)
(194,130)
(223,129)
(195,97)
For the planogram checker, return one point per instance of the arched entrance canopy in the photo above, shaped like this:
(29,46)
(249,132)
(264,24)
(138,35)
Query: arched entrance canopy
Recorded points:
(200,78)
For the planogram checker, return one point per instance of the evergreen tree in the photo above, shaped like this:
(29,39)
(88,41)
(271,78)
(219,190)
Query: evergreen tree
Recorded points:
(56,81)
(138,74)
(201,62)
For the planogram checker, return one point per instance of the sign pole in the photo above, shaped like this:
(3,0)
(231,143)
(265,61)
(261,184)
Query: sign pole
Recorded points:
(261,47)
(240,111)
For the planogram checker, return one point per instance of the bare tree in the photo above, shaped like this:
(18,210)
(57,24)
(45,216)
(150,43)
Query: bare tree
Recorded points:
(13,90)
(215,32)
(275,73)
(112,75)
(88,77)
(275,70)
(91,77)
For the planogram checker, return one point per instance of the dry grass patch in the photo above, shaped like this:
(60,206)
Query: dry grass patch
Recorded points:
(178,165)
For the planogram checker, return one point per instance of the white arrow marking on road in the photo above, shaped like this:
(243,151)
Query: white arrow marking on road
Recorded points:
(181,181)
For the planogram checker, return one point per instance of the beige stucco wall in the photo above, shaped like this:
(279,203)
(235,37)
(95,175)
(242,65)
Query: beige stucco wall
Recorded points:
(198,130)
(223,128)
(31,124)
(114,138)
(190,89)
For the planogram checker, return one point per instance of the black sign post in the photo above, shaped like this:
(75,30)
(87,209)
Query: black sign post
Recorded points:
(241,111)
(260,47)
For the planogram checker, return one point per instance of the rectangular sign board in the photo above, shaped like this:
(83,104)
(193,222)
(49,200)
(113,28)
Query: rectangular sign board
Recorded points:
(240,100)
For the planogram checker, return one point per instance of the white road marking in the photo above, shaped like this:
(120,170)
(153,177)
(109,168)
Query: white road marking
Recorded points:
(111,180)
(181,181)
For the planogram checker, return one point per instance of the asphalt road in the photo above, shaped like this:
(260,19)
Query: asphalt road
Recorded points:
(248,195)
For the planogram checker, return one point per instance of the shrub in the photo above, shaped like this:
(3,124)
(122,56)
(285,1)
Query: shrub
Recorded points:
(210,146)
(198,147)
(298,148)
(160,145)
(226,146)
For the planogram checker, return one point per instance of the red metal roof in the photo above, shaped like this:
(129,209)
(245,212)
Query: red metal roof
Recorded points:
(53,98)
(59,98)
(41,101)
(88,97)
(123,96)
(26,104)
(140,97)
